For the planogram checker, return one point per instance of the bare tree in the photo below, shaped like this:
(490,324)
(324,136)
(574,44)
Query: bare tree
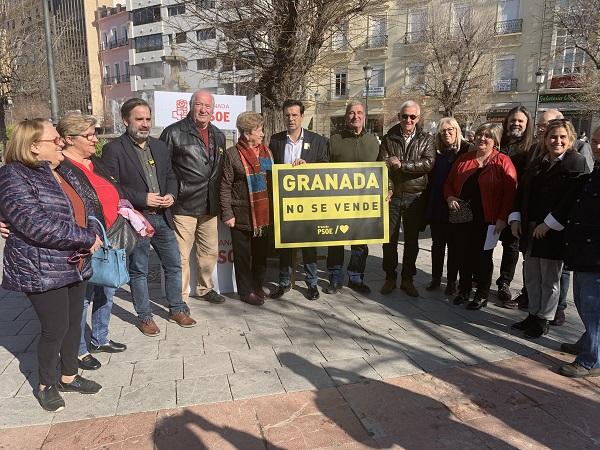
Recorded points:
(274,44)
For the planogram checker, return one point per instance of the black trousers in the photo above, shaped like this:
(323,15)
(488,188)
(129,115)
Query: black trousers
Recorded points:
(442,237)
(474,264)
(510,257)
(59,312)
(250,260)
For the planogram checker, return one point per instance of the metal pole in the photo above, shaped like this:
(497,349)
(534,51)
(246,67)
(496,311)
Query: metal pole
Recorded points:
(50,61)
(537,104)
(367,105)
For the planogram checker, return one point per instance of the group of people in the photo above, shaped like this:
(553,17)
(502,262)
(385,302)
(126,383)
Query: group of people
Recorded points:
(504,185)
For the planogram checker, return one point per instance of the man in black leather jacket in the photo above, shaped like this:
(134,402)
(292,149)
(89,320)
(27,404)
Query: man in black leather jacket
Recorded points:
(409,153)
(197,148)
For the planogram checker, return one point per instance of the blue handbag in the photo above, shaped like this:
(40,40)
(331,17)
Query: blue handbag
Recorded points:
(109,265)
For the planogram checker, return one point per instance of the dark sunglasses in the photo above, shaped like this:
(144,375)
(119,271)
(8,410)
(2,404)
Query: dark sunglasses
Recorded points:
(78,256)
(411,116)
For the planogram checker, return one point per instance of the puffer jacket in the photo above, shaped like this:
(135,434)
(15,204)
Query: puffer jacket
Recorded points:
(199,180)
(416,160)
(43,231)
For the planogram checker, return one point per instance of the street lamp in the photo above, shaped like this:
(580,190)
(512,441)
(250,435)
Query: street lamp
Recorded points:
(540,78)
(368,70)
(317,97)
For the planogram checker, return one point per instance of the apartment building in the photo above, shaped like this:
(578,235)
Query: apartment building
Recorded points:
(390,40)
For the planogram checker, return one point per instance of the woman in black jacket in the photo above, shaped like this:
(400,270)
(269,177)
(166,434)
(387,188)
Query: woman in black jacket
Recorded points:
(546,182)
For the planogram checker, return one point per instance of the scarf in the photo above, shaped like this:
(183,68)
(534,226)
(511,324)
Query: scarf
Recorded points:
(256,169)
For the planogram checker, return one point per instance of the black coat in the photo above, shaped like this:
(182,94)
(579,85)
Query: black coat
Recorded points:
(540,192)
(198,179)
(317,151)
(123,164)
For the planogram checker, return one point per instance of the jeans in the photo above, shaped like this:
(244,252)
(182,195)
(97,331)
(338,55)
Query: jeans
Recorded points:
(356,266)
(407,209)
(102,299)
(309,258)
(586,290)
(510,257)
(565,283)
(165,245)
(441,236)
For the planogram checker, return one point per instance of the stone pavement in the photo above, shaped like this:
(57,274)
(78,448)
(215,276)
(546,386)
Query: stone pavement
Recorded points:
(301,374)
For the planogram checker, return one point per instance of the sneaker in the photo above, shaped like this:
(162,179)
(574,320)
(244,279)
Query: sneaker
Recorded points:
(576,370)
(361,287)
(571,349)
(50,399)
(212,297)
(148,327)
(182,319)
(388,287)
(81,385)
(408,287)
(504,293)
(559,318)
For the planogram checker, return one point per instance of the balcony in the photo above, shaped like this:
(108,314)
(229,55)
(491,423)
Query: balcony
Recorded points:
(374,91)
(377,41)
(566,81)
(509,26)
(337,95)
(108,81)
(508,85)
(115,44)
(414,37)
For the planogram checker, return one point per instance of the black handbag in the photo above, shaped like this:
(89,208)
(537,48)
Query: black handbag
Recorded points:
(462,215)
(123,235)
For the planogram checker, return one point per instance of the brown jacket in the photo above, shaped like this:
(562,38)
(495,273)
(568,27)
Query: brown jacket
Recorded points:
(235,200)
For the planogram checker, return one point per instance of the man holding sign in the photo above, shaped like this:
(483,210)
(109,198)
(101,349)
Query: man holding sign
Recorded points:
(297,146)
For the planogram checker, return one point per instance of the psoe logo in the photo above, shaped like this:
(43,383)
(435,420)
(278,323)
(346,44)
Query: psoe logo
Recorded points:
(326,229)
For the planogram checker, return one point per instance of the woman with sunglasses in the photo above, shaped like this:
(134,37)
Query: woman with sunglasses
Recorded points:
(484,182)
(547,182)
(47,212)
(79,134)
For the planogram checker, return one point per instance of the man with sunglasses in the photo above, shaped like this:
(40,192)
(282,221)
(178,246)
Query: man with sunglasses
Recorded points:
(409,153)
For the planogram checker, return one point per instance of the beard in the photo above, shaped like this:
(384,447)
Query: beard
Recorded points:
(516,132)
(137,135)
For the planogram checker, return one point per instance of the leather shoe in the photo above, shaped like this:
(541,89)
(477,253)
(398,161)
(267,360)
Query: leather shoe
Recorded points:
(576,370)
(461,299)
(361,287)
(408,287)
(261,293)
(537,328)
(110,347)
(523,324)
(182,319)
(333,288)
(450,288)
(88,362)
(504,293)
(212,297)
(388,287)
(435,283)
(523,300)
(477,303)
(559,318)
(572,349)
(313,293)
(280,291)
(81,385)
(148,327)
(253,299)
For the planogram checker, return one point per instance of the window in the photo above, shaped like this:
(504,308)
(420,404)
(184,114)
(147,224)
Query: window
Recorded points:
(508,17)
(205,4)
(505,74)
(416,76)
(114,37)
(107,77)
(149,70)
(126,66)
(206,34)
(180,38)
(117,72)
(206,64)
(176,10)
(417,24)
(341,84)
(124,33)
(340,37)
(461,19)
(104,40)
(377,31)
(142,16)
(567,58)
(149,43)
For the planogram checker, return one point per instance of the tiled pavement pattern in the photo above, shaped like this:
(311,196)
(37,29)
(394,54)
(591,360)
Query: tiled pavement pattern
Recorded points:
(341,345)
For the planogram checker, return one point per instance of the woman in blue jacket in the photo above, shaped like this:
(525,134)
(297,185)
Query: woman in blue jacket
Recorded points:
(46,255)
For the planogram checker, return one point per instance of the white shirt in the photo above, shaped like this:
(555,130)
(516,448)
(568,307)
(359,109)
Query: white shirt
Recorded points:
(293,149)
(410,137)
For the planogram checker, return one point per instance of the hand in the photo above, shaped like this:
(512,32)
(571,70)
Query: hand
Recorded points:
(500,225)
(393,161)
(96,245)
(298,162)
(4,229)
(453,203)
(230,223)
(154,200)
(389,195)
(540,231)
(515,227)
(168,201)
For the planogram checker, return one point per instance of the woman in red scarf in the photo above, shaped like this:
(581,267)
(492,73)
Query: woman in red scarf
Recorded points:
(245,194)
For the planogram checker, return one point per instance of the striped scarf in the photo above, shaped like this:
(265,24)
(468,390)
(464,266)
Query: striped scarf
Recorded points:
(258,184)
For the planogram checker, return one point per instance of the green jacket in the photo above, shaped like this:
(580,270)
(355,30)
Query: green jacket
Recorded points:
(349,147)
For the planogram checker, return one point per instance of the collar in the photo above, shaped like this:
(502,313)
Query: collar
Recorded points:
(300,138)
(135,144)
(350,132)
(559,158)
(410,136)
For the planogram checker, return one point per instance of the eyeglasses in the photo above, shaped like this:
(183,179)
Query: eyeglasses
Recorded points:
(484,135)
(57,140)
(447,131)
(89,137)
(409,116)
(78,256)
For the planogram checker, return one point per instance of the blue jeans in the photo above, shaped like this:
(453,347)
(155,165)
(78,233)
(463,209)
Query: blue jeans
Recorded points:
(356,266)
(165,245)
(102,299)
(586,289)
(309,258)
(565,283)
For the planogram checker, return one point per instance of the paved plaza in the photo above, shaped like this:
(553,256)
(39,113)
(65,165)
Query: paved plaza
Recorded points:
(345,371)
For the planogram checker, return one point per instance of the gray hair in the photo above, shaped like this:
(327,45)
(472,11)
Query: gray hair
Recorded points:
(410,104)
(202,91)
(352,103)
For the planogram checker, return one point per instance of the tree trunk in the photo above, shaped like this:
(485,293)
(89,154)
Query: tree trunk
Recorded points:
(273,120)
(3,136)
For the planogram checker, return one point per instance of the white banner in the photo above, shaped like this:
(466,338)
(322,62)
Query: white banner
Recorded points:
(169,107)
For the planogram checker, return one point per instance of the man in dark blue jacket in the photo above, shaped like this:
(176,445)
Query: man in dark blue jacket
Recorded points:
(142,167)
